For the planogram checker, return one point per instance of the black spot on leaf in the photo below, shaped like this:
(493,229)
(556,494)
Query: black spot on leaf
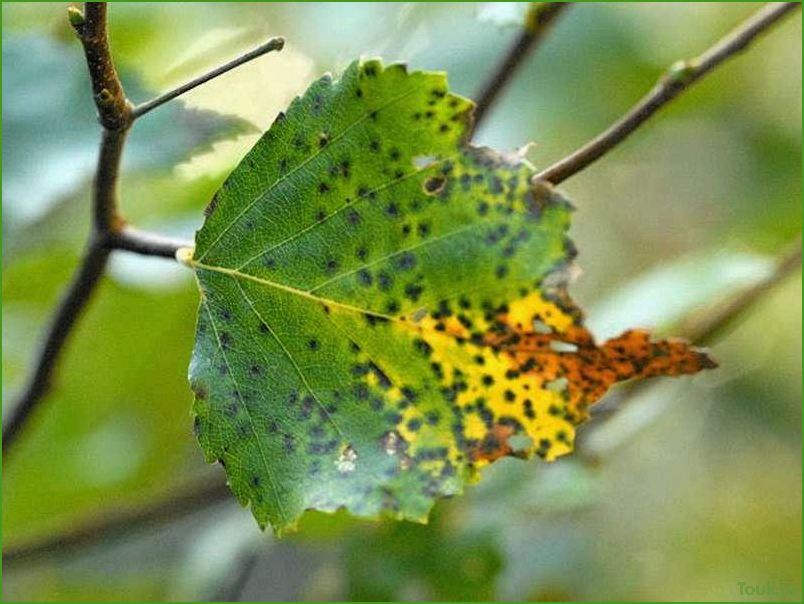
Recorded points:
(434,184)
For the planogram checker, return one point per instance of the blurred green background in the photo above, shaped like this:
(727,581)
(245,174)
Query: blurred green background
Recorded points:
(690,491)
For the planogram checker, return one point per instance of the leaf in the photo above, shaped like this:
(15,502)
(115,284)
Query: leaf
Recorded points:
(383,308)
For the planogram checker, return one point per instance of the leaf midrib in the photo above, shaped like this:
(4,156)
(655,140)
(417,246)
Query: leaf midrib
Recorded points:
(327,301)
(308,294)
(349,204)
(287,288)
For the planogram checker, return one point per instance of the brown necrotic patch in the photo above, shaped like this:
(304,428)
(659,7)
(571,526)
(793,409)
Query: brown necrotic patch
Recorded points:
(530,368)
(569,362)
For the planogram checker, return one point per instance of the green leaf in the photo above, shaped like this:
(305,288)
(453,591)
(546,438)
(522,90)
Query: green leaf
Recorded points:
(383,308)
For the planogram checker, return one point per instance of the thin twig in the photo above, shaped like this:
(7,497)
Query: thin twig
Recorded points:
(199,494)
(706,327)
(272,44)
(676,80)
(205,492)
(538,23)
(145,243)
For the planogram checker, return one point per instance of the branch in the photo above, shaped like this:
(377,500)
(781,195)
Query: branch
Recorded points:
(538,23)
(61,325)
(114,113)
(704,328)
(110,232)
(676,80)
(272,44)
(114,110)
(145,243)
(204,493)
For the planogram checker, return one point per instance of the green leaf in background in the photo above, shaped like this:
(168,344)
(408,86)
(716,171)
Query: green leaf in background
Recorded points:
(663,295)
(383,308)
(437,562)
(50,127)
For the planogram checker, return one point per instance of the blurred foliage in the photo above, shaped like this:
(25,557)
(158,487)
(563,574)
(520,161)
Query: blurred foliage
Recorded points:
(53,130)
(111,436)
(416,562)
(692,489)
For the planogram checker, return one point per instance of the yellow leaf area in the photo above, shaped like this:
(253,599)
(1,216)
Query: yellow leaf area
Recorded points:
(523,376)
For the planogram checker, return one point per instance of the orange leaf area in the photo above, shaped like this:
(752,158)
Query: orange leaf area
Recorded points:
(536,370)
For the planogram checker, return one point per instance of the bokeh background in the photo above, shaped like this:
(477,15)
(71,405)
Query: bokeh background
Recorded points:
(689,491)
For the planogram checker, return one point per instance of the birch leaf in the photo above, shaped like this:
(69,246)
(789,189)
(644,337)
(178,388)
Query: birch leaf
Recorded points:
(384,308)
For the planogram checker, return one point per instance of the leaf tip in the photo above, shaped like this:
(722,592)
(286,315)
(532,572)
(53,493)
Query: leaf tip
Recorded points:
(706,360)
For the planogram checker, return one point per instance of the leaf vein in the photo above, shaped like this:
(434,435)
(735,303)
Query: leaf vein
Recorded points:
(274,488)
(333,140)
(351,204)
(290,358)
